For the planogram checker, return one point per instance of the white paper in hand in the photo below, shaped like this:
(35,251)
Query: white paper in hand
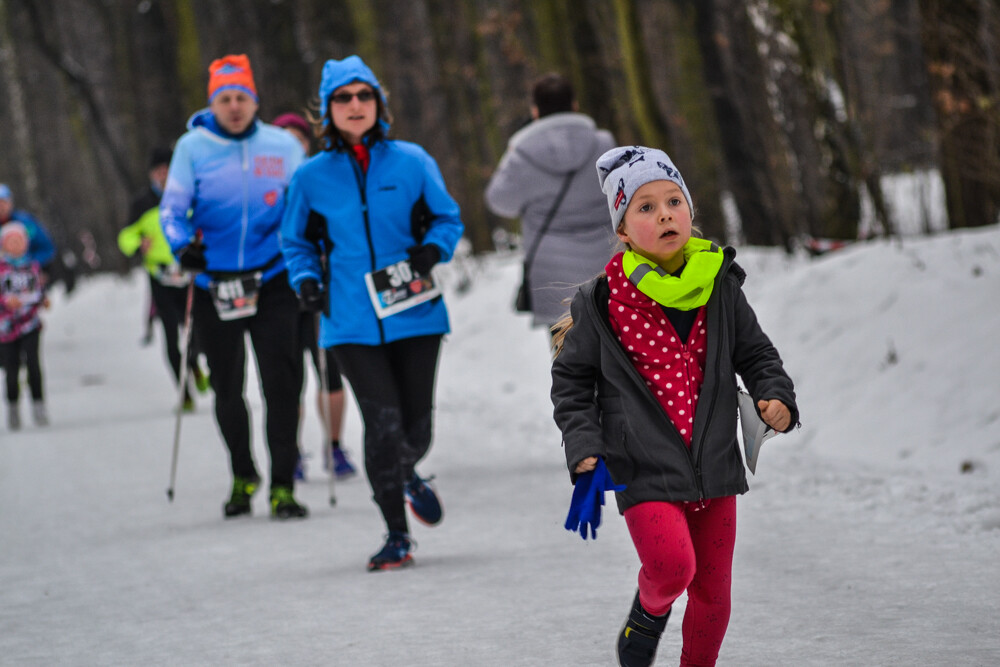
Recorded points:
(755,431)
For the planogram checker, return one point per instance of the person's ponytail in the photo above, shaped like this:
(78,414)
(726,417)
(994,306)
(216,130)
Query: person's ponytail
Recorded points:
(559,331)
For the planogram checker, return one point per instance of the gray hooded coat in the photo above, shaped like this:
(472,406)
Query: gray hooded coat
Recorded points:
(580,240)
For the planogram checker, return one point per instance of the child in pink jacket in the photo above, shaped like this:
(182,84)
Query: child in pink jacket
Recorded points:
(22,295)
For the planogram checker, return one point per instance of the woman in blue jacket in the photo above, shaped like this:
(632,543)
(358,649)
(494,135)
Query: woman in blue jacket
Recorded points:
(387,216)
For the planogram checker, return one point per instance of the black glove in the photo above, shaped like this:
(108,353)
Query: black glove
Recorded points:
(192,257)
(423,257)
(311,295)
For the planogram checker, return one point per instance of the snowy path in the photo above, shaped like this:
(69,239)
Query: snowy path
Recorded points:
(842,558)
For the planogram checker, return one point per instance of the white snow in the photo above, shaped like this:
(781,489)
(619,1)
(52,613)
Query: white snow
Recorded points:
(861,542)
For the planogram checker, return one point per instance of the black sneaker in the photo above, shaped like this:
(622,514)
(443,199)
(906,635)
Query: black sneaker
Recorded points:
(239,501)
(423,500)
(640,636)
(395,553)
(284,506)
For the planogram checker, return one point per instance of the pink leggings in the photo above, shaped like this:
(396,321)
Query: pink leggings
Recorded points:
(682,548)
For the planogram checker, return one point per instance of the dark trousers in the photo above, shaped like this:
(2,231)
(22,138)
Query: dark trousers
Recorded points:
(23,350)
(394,388)
(170,304)
(274,336)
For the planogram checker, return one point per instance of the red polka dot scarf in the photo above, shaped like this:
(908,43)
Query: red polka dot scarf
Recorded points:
(673,369)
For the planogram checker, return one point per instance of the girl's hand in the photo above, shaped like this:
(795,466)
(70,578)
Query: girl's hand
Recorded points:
(12,302)
(586,465)
(775,414)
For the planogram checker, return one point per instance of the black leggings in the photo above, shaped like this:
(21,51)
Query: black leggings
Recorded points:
(170,304)
(23,349)
(274,335)
(394,388)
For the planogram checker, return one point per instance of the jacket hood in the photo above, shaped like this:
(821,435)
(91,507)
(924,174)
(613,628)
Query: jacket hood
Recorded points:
(558,143)
(729,265)
(337,73)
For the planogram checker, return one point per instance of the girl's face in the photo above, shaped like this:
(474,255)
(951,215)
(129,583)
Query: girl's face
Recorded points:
(14,245)
(353,111)
(657,224)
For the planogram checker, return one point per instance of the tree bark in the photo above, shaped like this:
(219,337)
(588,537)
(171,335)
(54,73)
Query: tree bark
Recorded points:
(959,39)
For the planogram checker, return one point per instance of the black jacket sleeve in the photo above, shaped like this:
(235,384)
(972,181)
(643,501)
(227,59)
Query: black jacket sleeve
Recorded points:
(574,385)
(757,361)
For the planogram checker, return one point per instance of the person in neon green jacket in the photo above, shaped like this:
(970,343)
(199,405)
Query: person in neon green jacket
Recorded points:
(168,287)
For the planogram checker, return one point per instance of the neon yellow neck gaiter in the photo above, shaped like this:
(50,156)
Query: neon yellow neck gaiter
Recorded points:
(691,289)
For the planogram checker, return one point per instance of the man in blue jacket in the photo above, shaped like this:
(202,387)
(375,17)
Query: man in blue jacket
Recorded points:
(220,212)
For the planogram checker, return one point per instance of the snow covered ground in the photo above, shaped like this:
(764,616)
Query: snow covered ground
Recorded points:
(870,536)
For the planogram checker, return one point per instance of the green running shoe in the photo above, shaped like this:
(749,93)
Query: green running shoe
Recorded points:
(201,380)
(239,501)
(284,506)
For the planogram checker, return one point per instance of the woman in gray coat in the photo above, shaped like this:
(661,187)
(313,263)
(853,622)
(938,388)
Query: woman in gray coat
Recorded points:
(559,147)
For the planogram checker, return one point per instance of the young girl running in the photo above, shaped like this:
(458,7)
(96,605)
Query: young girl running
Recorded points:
(660,339)
(22,295)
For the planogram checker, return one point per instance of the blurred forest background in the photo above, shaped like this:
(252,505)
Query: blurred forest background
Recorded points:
(784,115)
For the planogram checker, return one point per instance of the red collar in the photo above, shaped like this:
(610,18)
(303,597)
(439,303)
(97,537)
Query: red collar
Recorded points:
(362,155)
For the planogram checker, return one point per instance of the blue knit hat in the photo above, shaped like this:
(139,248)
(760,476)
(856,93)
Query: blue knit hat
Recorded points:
(5,192)
(625,169)
(337,73)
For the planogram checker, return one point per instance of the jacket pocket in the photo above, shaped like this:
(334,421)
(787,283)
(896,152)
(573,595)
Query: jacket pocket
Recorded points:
(619,462)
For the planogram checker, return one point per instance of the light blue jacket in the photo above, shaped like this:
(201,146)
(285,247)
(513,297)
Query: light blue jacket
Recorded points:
(234,189)
(369,224)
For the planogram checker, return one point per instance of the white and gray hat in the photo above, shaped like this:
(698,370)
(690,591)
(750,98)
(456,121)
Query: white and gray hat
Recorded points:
(625,169)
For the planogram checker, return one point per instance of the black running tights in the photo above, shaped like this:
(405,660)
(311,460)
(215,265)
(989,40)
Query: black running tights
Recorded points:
(274,335)
(23,349)
(170,304)
(394,388)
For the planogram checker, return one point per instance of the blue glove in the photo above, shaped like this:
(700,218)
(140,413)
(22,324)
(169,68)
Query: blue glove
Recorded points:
(588,497)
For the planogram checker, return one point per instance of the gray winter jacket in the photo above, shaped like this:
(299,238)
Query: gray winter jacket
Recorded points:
(579,241)
(623,422)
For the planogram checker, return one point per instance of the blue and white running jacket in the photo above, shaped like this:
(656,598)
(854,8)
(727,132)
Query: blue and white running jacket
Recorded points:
(232,190)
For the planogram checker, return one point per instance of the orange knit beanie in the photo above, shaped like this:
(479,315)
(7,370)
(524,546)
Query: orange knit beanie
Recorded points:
(231,72)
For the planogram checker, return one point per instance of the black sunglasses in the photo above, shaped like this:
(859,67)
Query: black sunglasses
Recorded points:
(345,98)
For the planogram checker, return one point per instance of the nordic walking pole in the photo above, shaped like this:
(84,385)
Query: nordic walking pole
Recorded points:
(324,402)
(185,345)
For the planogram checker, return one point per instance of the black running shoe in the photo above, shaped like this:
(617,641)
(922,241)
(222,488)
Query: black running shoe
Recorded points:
(640,636)
(395,553)
(284,506)
(239,501)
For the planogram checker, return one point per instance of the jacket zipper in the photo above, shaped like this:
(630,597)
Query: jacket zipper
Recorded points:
(362,179)
(716,351)
(696,462)
(246,196)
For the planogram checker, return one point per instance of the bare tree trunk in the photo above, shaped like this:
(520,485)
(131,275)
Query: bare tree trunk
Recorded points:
(756,167)
(959,44)
(79,80)
(19,116)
